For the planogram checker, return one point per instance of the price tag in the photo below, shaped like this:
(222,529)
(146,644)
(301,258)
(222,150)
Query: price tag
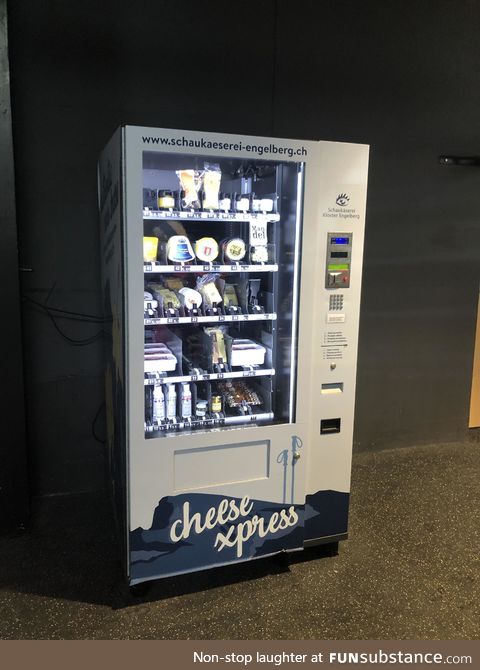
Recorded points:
(258,232)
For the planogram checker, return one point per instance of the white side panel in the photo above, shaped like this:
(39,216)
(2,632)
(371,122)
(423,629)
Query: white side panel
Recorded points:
(343,171)
(110,203)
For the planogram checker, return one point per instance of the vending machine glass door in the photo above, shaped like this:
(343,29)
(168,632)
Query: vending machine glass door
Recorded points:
(218,475)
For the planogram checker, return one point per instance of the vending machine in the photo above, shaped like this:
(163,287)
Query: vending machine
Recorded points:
(231,384)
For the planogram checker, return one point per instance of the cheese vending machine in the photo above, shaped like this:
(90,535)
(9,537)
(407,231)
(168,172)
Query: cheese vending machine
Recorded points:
(231,274)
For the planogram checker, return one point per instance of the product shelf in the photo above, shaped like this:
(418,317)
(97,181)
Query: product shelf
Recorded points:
(227,217)
(169,427)
(227,318)
(156,378)
(150,268)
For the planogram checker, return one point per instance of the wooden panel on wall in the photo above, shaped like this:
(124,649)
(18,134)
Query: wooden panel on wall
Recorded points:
(474,419)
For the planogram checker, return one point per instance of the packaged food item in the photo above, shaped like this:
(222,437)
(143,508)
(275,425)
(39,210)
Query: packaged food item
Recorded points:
(159,358)
(150,305)
(258,233)
(224,202)
(245,352)
(150,249)
(158,403)
(165,199)
(179,249)
(190,181)
(171,402)
(190,298)
(266,205)
(211,185)
(216,404)
(201,409)
(234,250)
(219,352)
(238,393)
(206,249)
(230,298)
(207,287)
(242,203)
(259,254)
(173,283)
(185,400)
(166,295)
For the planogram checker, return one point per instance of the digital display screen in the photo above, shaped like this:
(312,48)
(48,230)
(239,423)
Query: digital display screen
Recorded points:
(340,240)
(339,254)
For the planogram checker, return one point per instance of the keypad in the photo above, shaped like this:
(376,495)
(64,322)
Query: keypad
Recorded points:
(336,302)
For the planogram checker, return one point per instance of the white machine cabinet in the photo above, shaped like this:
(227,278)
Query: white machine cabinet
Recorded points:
(231,382)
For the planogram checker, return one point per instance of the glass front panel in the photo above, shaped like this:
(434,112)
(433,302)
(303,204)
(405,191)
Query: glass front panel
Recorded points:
(221,266)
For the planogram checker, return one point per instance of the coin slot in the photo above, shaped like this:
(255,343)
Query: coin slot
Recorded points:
(330,389)
(328,426)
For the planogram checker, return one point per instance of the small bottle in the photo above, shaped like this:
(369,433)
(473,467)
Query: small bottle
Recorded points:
(216,404)
(148,404)
(171,402)
(158,404)
(185,400)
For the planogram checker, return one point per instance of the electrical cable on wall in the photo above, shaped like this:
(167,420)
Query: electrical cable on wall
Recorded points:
(55,313)
(94,423)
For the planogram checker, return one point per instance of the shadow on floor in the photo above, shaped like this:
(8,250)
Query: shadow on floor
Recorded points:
(70,551)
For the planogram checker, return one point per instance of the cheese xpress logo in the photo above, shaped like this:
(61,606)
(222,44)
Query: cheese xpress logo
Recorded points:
(240,529)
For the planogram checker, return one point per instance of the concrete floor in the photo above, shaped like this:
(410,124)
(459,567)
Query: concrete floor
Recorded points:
(410,569)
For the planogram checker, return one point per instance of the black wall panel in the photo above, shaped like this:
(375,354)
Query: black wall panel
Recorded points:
(14,501)
(401,76)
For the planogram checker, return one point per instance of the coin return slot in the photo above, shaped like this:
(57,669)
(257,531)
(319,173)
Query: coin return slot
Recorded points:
(330,389)
(328,426)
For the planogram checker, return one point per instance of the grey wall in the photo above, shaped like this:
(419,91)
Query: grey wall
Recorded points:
(399,75)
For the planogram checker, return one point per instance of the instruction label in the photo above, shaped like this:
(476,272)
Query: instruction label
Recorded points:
(334,345)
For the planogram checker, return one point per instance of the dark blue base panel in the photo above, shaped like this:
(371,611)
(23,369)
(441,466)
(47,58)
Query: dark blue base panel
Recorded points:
(326,513)
(195,531)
